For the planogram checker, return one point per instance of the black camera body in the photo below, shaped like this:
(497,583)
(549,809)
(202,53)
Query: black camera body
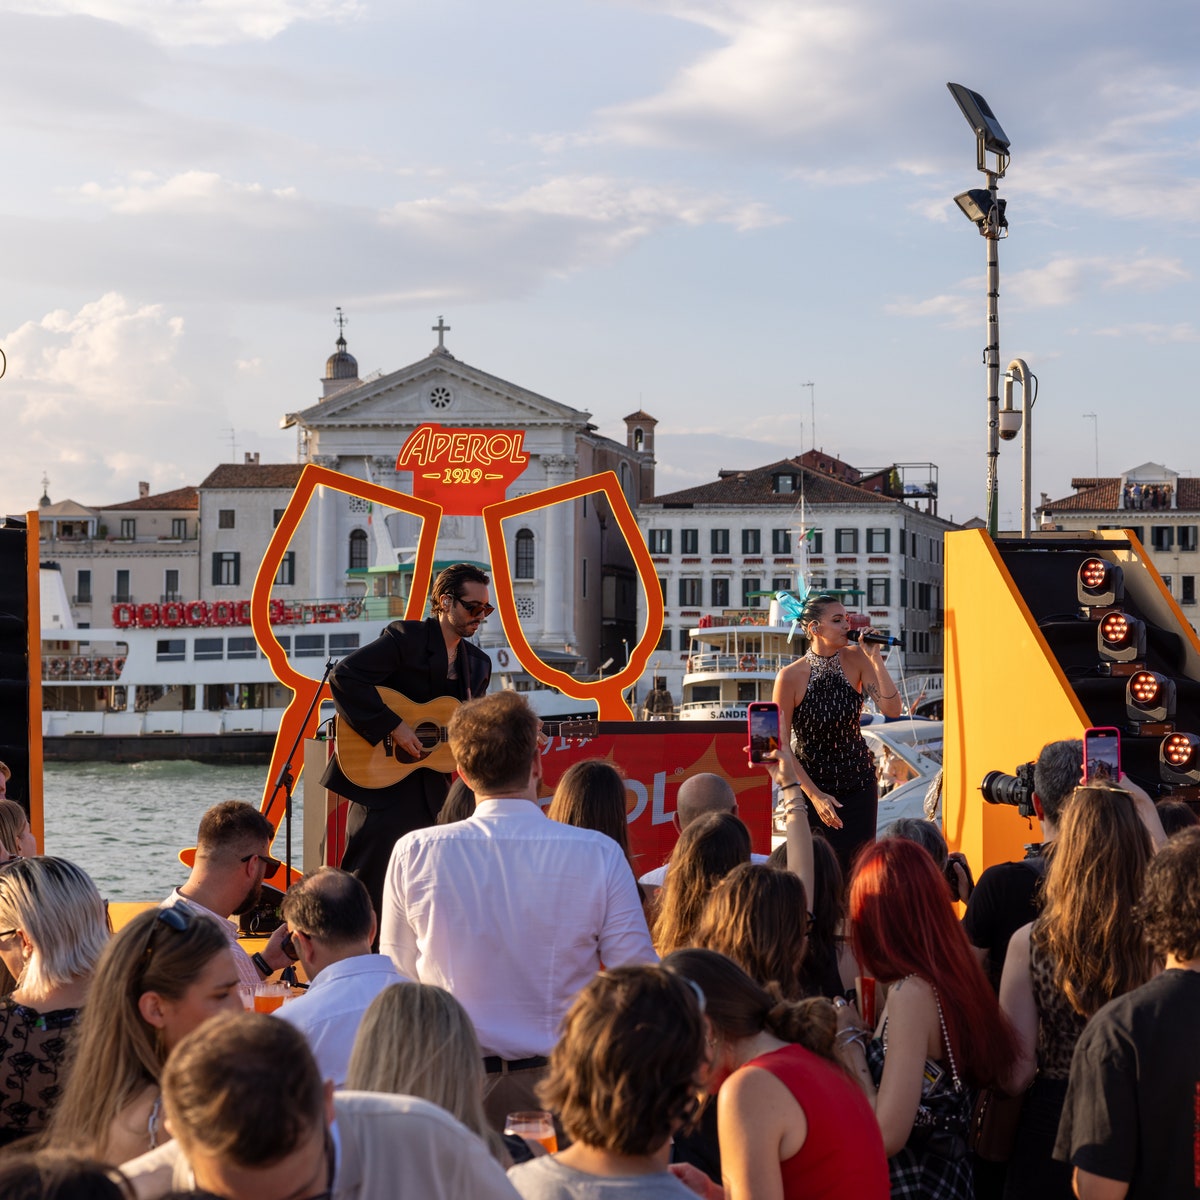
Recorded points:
(1017,790)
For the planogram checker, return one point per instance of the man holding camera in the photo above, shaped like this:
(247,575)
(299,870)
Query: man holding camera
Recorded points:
(1004,899)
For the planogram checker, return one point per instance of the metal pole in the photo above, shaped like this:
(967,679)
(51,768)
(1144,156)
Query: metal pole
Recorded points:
(1018,369)
(991,354)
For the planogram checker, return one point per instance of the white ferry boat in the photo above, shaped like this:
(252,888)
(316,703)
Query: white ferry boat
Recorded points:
(732,661)
(187,679)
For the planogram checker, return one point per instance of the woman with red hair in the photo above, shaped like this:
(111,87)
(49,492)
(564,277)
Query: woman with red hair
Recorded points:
(940,1035)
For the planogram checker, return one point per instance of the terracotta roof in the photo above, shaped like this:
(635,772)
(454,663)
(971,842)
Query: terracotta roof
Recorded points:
(756,486)
(1104,495)
(1094,495)
(180,498)
(254,475)
(643,416)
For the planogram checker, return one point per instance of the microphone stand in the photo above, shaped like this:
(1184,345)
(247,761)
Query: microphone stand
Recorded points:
(287,779)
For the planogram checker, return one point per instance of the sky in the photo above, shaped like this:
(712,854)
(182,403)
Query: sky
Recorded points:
(735,214)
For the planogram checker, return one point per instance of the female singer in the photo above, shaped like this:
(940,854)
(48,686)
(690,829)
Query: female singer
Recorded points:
(820,697)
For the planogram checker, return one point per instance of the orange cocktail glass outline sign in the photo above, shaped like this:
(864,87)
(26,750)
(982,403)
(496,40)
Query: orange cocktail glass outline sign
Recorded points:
(606,692)
(303,688)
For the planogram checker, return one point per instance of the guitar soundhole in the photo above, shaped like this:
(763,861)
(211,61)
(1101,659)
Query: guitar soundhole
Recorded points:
(428,735)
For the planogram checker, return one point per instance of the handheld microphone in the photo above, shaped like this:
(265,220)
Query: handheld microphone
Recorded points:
(876,639)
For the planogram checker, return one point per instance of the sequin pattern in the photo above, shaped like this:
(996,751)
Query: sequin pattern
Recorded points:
(825,730)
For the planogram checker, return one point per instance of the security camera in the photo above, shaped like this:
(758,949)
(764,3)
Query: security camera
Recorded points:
(1010,423)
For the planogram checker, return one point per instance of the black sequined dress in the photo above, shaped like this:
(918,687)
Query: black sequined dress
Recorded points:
(828,742)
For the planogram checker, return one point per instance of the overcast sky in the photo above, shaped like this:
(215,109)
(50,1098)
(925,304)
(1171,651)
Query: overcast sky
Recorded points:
(692,206)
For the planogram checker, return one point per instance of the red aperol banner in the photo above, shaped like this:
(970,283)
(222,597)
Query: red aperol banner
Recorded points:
(655,758)
(463,470)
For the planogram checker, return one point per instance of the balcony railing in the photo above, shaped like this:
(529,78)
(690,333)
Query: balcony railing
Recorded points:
(123,598)
(82,598)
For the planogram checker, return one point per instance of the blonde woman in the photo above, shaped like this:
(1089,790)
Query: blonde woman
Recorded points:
(160,977)
(417,1040)
(16,839)
(52,930)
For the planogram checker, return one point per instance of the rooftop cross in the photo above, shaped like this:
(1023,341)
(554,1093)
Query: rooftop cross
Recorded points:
(340,322)
(441,329)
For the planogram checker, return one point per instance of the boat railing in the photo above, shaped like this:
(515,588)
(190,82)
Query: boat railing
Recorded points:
(714,710)
(73,668)
(746,663)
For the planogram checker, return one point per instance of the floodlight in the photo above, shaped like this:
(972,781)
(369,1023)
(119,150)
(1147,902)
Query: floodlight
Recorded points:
(1099,584)
(1149,701)
(981,118)
(1121,639)
(1179,759)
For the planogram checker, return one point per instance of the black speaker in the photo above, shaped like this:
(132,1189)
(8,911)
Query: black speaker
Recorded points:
(14,658)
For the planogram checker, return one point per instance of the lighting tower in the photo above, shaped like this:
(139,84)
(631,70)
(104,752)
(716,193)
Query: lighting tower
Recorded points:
(985,210)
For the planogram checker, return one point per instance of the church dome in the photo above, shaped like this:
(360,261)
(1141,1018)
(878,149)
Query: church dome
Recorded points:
(342,364)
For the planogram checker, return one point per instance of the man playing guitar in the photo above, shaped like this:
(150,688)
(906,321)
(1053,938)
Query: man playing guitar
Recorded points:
(422,660)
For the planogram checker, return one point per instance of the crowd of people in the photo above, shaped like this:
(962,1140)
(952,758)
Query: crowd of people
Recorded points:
(819,1023)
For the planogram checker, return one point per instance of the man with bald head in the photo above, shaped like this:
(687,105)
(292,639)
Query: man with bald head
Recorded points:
(698,795)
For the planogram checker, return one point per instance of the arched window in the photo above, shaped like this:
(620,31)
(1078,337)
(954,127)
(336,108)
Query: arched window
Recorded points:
(639,439)
(358,550)
(524,554)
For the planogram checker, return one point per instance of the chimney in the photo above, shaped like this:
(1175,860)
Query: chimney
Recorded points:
(143,489)
(252,458)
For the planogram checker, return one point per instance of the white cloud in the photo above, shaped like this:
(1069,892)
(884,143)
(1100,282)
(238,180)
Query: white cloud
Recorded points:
(1056,284)
(196,22)
(1184,332)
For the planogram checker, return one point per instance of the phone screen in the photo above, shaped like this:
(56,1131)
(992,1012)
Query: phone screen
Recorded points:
(1102,754)
(764,730)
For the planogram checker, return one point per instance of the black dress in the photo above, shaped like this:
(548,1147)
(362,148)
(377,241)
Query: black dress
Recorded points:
(33,1048)
(829,745)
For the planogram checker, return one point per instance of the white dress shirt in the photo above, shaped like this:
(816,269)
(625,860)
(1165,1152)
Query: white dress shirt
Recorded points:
(247,971)
(513,914)
(329,1013)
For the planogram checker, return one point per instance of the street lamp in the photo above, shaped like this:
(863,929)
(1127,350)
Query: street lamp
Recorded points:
(1010,423)
(985,210)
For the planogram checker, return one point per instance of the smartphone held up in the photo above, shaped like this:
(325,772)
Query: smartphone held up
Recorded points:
(1101,754)
(763,720)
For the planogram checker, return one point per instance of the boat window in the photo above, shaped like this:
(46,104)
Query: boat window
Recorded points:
(342,643)
(208,647)
(310,645)
(171,649)
(242,647)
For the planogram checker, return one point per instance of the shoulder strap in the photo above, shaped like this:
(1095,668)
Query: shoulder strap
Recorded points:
(946,1042)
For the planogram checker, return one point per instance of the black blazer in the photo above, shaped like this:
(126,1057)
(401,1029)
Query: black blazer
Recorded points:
(409,657)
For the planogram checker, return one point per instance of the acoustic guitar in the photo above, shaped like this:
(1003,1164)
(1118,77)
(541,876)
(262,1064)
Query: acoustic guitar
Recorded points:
(386,763)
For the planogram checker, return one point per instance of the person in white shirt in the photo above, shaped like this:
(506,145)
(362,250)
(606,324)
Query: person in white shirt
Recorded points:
(510,912)
(232,860)
(697,795)
(332,925)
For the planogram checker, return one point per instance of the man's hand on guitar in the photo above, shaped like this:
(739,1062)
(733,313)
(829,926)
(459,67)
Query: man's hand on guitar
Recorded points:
(404,737)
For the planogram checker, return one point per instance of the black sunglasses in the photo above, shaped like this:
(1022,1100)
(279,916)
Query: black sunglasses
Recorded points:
(178,917)
(273,864)
(476,608)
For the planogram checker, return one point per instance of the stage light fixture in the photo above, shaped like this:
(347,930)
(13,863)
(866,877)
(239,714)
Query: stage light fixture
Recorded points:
(1179,759)
(1120,638)
(1150,701)
(1099,584)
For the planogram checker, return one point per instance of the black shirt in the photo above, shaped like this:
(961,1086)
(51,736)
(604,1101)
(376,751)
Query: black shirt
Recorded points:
(1130,1112)
(1005,898)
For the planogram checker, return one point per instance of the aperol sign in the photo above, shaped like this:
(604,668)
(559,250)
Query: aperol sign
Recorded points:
(463,470)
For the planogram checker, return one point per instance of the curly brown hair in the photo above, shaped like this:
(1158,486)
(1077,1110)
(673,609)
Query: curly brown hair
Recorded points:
(1169,910)
(1094,879)
(624,1075)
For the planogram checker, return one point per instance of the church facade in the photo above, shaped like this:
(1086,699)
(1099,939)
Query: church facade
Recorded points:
(576,589)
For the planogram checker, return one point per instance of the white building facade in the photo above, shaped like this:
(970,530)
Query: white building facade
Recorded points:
(726,545)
